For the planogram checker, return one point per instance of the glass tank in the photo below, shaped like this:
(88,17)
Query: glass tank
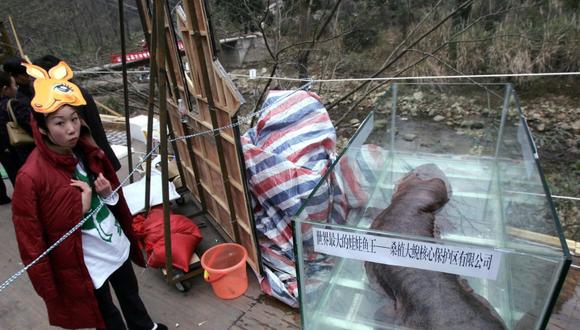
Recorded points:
(436,215)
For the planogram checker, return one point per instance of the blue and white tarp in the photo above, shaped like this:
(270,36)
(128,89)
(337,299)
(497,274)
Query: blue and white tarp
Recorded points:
(287,153)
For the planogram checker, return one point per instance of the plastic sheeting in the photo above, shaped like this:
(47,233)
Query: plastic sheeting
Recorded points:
(286,155)
(135,192)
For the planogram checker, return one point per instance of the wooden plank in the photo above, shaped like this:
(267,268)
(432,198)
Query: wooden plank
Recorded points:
(543,238)
(217,101)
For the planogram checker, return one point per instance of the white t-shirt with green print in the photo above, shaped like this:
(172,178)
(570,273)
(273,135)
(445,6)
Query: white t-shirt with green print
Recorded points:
(105,246)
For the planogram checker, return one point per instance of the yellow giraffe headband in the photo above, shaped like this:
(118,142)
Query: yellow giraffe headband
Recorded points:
(53,89)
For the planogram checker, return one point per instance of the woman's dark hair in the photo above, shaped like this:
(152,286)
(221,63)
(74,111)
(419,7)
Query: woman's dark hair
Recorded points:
(14,66)
(4,79)
(41,118)
(46,62)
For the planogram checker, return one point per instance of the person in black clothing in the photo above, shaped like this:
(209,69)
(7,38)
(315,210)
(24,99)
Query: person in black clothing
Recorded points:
(15,68)
(21,101)
(8,156)
(90,111)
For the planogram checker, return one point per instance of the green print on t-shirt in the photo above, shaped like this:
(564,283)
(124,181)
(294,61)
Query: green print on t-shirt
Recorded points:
(102,214)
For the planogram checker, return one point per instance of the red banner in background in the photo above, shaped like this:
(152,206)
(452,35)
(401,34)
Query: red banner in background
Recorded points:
(138,56)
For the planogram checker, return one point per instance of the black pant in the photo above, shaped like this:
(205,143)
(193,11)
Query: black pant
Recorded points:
(124,283)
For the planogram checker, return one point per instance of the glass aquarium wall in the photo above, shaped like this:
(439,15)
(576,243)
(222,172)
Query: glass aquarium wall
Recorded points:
(436,215)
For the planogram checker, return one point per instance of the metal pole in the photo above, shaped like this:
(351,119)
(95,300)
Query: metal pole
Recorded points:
(125,91)
(151,105)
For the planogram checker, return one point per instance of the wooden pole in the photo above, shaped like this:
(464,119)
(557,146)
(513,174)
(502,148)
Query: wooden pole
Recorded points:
(109,110)
(173,39)
(162,81)
(20,50)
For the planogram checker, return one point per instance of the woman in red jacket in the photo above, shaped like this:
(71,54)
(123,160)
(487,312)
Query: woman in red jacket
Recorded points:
(65,179)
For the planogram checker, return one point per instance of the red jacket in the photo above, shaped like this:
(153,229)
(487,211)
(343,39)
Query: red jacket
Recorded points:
(44,208)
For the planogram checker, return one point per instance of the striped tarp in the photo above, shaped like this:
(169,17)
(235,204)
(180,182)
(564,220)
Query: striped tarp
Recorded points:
(287,154)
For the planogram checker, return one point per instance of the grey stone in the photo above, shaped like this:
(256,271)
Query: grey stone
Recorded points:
(381,122)
(576,125)
(474,124)
(409,137)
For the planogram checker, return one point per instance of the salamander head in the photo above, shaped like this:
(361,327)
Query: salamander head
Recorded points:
(427,185)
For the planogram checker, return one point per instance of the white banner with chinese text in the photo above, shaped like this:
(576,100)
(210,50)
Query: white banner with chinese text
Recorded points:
(466,261)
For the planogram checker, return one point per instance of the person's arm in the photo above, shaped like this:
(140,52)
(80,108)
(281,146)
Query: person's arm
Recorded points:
(30,237)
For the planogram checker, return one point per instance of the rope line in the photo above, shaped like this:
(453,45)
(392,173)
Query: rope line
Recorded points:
(498,75)
(12,278)
(109,72)
(495,75)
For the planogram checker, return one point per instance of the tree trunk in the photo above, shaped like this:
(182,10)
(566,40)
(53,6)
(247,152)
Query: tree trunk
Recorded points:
(304,30)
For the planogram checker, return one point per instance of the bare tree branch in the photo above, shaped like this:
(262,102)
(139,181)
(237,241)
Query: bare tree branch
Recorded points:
(398,56)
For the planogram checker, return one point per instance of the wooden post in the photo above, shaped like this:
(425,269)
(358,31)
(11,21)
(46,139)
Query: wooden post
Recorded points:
(214,121)
(162,81)
(20,50)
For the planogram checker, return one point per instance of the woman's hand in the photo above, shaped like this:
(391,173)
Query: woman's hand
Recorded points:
(103,186)
(86,193)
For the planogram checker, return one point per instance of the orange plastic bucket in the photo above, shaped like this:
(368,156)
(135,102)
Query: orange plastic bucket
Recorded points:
(225,270)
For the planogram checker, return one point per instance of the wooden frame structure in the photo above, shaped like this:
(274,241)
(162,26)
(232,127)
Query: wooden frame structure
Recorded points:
(211,165)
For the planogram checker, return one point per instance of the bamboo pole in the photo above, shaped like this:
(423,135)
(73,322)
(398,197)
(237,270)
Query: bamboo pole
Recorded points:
(109,110)
(162,81)
(20,50)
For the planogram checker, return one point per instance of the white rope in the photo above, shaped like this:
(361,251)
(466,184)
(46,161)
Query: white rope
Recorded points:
(109,72)
(542,195)
(566,197)
(19,273)
(498,75)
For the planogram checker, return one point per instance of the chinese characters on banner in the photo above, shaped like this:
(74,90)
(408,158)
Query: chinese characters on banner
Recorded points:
(467,261)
